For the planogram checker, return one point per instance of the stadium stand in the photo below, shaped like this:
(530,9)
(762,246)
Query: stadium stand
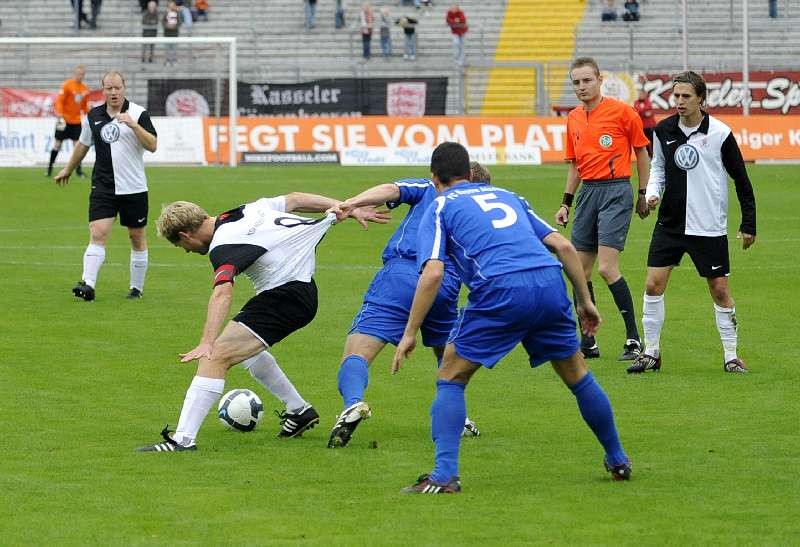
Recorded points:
(534,34)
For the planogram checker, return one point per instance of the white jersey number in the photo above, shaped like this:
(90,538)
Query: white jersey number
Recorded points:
(510,214)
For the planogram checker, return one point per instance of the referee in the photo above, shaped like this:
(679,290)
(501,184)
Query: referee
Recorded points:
(120,131)
(693,155)
(600,134)
(70,105)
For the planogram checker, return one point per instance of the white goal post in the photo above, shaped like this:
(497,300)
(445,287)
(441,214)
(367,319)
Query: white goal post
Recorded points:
(187,41)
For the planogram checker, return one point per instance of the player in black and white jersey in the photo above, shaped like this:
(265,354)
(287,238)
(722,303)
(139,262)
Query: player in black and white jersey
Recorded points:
(120,132)
(694,153)
(276,249)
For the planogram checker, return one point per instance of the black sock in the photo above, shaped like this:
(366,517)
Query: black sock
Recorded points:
(53,154)
(622,298)
(588,341)
(79,170)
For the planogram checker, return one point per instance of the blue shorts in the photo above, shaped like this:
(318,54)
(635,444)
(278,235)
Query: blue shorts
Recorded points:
(531,307)
(387,304)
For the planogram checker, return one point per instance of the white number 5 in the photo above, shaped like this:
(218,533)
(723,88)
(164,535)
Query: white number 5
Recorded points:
(510,215)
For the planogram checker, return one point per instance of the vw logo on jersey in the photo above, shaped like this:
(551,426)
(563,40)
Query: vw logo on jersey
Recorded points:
(687,157)
(110,133)
(606,141)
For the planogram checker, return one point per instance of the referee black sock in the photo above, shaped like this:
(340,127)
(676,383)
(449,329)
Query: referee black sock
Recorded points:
(588,341)
(53,154)
(622,298)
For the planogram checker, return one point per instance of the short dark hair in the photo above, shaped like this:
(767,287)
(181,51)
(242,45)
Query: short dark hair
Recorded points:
(584,61)
(450,161)
(693,79)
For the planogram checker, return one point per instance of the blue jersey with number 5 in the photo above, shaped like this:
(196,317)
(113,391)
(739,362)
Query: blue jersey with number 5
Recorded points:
(487,231)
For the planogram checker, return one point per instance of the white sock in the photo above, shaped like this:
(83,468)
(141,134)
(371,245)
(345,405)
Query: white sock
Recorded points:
(93,258)
(203,393)
(728,330)
(652,321)
(264,368)
(138,269)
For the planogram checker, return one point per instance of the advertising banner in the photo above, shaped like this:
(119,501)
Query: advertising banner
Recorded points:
(186,97)
(34,103)
(775,93)
(28,141)
(347,97)
(760,137)
(372,156)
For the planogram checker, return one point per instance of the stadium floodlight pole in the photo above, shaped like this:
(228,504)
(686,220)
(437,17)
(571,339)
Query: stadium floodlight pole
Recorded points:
(685,35)
(233,155)
(745,60)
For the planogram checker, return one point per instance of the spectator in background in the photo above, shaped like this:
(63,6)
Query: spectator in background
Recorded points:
(187,19)
(386,33)
(70,105)
(143,5)
(457,22)
(644,108)
(200,10)
(171,23)
(609,12)
(367,22)
(149,29)
(95,12)
(773,8)
(409,26)
(631,11)
(77,5)
(311,14)
(338,15)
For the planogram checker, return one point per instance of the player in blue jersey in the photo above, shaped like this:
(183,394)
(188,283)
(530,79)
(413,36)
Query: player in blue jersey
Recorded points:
(501,250)
(384,313)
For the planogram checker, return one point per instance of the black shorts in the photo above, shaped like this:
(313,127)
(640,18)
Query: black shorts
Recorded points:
(132,208)
(71,131)
(274,314)
(709,254)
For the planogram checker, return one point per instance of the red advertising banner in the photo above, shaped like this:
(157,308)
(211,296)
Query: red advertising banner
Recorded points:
(760,137)
(35,103)
(769,92)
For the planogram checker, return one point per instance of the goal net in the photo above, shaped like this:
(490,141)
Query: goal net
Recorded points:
(187,84)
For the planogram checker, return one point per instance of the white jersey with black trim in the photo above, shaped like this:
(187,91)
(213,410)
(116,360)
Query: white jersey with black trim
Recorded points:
(689,173)
(288,241)
(119,163)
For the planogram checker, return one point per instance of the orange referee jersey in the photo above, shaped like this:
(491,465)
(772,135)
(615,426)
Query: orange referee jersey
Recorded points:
(600,141)
(72,101)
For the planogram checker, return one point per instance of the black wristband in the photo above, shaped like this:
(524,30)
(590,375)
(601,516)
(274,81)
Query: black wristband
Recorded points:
(568,199)
(642,191)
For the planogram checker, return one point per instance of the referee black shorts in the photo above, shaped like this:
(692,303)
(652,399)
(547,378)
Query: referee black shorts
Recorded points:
(71,131)
(274,314)
(132,208)
(709,254)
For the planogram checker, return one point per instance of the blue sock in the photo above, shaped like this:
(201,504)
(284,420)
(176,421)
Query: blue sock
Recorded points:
(353,379)
(448,412)
(596,411)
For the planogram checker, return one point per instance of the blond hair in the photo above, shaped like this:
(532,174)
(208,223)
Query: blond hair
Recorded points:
(179,216)
(478,173)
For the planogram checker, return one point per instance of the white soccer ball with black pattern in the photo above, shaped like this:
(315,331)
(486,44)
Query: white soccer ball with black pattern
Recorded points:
(240,409)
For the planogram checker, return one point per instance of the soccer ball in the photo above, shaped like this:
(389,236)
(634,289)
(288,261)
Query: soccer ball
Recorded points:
(240,409)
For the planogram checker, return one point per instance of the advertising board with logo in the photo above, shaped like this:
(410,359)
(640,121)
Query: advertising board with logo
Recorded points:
(772,93)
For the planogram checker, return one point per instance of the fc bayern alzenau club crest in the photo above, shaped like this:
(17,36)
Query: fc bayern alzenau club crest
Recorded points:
(110,133)
(606,141)
(687,157)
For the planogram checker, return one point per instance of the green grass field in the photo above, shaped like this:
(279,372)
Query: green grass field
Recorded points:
(83,384)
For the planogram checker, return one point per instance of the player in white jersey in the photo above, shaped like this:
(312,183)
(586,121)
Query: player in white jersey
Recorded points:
(120,132)
(275,249)
(693,155)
